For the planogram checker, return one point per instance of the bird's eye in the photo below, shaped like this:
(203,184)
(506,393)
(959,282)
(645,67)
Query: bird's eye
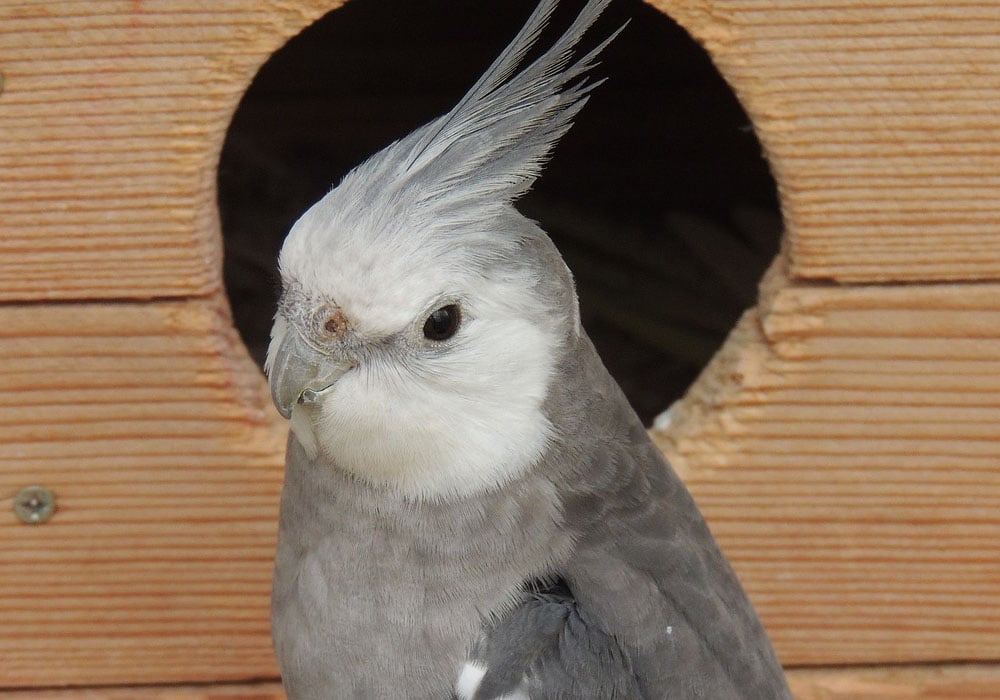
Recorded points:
(443,323)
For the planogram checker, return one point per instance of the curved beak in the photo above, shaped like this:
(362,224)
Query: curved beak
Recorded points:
(300,374)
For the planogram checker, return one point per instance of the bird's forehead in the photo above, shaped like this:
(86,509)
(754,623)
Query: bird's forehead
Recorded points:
(381,287)
(382,299)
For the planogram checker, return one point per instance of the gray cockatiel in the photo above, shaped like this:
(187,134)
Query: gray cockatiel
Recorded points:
(471,509)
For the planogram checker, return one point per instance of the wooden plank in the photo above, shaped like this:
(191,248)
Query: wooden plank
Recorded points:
(855,486)
(113,115)
(944,682)
(252,691)
(845,448)
(157,436)
(879,119)
(842,446)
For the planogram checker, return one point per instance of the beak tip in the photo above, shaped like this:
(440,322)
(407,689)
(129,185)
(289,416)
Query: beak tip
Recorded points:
(283,407)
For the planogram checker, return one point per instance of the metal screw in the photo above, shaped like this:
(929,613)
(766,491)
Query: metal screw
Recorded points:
(34,504)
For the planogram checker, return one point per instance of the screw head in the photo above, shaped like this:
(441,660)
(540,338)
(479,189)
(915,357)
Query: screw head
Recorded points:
(34,505)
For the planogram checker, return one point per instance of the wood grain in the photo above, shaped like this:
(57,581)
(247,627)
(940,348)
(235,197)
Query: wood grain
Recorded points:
(880,122)
(844,445)
(154,431)
(252,691)
(845,448)
(113,115)
(944,682)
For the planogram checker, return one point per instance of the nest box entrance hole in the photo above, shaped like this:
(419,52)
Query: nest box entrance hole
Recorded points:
(659,197)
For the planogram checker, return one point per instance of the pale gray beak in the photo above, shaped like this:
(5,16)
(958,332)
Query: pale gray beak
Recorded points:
(301,374)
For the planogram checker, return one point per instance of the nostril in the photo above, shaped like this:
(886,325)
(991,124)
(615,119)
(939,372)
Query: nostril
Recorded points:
(308,396)
(336,323)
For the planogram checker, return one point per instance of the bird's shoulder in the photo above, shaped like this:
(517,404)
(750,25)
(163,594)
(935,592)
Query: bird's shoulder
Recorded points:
(646,572)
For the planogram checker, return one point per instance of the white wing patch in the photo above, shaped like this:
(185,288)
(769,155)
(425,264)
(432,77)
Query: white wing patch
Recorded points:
(470,678)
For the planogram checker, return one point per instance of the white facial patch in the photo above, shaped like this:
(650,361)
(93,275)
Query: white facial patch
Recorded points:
(467,420)
(429,422)
(433,420)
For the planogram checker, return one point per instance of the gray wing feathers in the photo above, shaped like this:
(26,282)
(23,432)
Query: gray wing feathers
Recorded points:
(546,649)
(678,611)
(646,569)
(648,607)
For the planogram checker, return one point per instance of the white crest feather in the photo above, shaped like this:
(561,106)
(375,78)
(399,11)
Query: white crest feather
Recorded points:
(490,148)
(493,143)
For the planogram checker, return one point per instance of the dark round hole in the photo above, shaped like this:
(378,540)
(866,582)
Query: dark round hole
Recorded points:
(659,197)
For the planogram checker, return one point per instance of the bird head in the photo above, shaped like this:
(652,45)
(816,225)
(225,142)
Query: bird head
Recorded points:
(422,316)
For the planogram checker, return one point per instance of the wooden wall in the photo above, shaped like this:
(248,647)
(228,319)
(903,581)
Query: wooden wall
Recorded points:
(123,386)
(845,444)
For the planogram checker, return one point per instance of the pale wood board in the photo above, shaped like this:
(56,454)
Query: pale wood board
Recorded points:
(881,121)
(945,682)
(844,445)
(845,448)
(860,506)
(879,118)
(113,115)
(157,436)
(267,690)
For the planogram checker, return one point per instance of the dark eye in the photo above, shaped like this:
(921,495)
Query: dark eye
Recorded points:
(443,323)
